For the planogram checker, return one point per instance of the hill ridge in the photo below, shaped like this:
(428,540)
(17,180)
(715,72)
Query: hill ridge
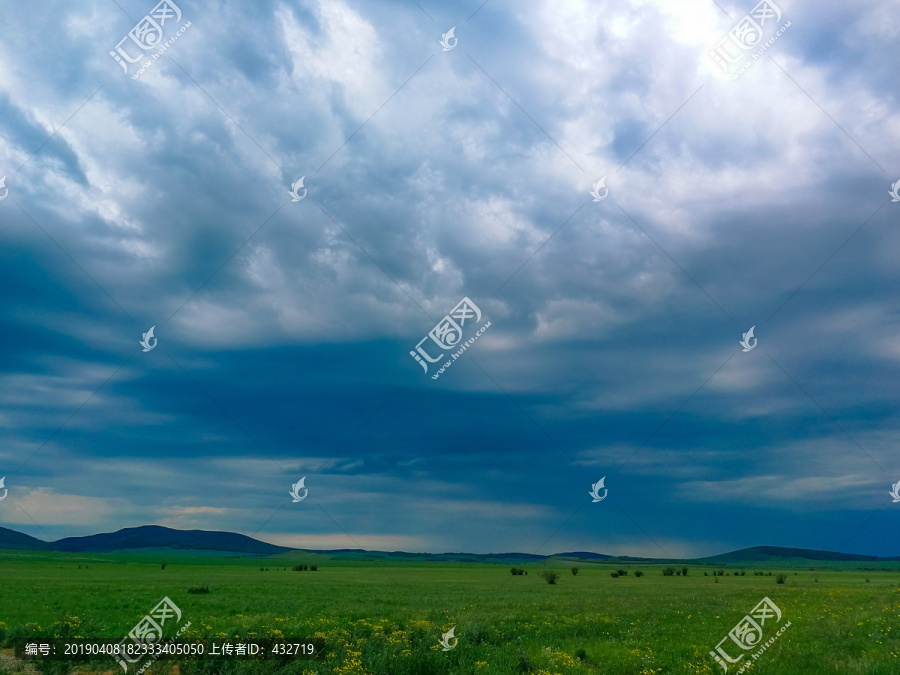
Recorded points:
(161,537)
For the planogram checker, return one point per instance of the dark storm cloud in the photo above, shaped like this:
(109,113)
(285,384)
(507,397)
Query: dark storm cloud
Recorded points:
(285,328)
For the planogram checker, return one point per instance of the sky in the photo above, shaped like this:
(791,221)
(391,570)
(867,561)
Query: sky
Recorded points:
(614,209)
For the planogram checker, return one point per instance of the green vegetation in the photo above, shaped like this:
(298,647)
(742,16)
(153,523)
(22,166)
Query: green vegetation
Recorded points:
(387,617)
(550,576)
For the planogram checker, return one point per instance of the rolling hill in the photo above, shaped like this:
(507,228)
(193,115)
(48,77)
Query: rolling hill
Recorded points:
(202,542)
(147,536)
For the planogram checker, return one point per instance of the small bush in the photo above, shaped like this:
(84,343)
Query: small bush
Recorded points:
(677,573)
(622,573)
(669,572)
(313,568)
(716,579)
(638,573)
(781,578)
(706,574)
(574,571)
(550,576)
(684,571)
(162,565)
(614,575)
(296,568)
(199,590)
(515,571)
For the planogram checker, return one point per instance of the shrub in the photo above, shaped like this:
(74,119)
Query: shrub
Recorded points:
(199,590)
(716,579)
(162,565)
(581,655)
(780,579)
(622,573)
(677,573)
(614,575)
(706,574)
(669,572)
(313,568)
(638,573)
(297,568)
(550,576)
(684,571)
(574,571)
(515,571)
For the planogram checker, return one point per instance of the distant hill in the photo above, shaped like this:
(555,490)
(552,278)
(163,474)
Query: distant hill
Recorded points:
(157,539)
(487,558)
(775,553)
(10,539)
(145,537)
(583,555)
(154,536)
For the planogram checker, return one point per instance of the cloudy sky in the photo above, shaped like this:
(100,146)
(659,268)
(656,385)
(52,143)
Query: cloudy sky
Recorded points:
(161,197)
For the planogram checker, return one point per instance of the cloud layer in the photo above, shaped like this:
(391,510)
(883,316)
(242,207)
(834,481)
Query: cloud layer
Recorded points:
(285,327)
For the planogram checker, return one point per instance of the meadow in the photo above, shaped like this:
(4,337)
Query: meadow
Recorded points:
(388,618)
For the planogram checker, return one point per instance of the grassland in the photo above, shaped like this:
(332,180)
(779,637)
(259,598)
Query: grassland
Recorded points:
(384,618)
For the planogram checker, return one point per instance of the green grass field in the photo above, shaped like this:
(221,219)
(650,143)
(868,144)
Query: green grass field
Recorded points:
(388,618)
